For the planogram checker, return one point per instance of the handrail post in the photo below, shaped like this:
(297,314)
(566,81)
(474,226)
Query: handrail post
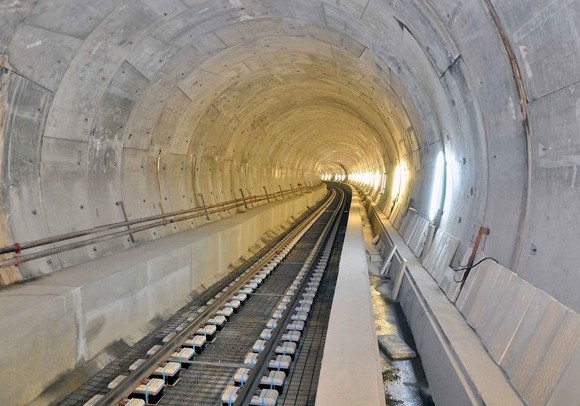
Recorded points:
(122,205)
(250,198)
(292,188)
(244,197)
(204,206)
(132,227)
(225,203)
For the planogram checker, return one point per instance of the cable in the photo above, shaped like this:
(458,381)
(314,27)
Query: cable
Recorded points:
(477,263)
(469,268)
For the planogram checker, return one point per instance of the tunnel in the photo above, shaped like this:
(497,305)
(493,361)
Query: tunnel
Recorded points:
(464,114)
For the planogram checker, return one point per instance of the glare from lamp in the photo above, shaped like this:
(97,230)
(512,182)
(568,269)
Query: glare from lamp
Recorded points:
(438,186)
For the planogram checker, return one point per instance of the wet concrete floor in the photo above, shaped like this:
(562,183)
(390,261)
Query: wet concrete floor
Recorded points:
(404,380)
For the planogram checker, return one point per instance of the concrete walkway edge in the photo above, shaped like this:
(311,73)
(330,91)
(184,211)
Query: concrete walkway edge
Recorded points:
(351,368)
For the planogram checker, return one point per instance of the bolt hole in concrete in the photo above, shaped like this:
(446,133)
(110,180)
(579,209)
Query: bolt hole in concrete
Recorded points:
(404,380)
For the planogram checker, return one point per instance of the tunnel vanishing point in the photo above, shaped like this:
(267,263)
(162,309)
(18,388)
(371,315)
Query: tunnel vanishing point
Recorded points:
(461,113)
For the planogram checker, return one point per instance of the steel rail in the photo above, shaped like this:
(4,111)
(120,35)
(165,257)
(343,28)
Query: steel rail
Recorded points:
(128,385)
(248,390)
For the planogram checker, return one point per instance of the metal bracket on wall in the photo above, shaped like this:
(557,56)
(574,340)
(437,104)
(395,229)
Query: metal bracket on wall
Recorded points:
(399,280)
(122,205)
(482,231)
(386,265)
(204,206)
(244,198)
(250,197)
(428,241)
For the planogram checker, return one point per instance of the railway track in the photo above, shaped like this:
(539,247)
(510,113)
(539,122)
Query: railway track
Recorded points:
(241,346)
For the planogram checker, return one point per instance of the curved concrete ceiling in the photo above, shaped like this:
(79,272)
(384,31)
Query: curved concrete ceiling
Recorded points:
(158,102)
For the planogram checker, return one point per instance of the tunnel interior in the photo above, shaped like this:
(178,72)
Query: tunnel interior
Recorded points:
(156,104)
(465,110)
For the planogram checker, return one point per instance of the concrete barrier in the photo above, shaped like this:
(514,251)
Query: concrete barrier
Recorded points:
(351,368)
(459,369)
(53,324)
(504,342)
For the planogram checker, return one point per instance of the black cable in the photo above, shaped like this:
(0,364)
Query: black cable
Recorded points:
(474,265)
(469,268)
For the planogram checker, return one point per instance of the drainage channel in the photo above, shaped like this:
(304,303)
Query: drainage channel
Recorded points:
(253,293)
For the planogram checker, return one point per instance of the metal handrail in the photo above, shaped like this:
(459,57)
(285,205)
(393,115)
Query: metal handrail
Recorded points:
(158,220)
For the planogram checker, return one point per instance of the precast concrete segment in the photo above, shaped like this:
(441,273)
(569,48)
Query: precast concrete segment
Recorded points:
(351,368)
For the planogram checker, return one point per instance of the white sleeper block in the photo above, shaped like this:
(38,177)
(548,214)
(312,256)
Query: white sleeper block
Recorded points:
(241,376)
(153,350)
(234,304)
(251,359)
(293,336)
(274,380)
(266,397)
(115,382)
(299,316)
(296,325)
(197,342)
(151,391)
(226,312)
(281,362)
(259,346)
(218,321)
(209,331)
(303,308)
(168,372)
(136,364)
(286,348)
(93,401)
(183,357)
(266,334)
(169,337)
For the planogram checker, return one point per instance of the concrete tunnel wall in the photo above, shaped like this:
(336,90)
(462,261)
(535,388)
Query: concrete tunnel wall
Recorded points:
(154,102)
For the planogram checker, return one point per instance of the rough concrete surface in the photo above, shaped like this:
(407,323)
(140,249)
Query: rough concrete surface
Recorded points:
(395,348)
(166,105)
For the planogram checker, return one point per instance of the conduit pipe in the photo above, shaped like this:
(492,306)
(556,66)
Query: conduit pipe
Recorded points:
(166,218)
